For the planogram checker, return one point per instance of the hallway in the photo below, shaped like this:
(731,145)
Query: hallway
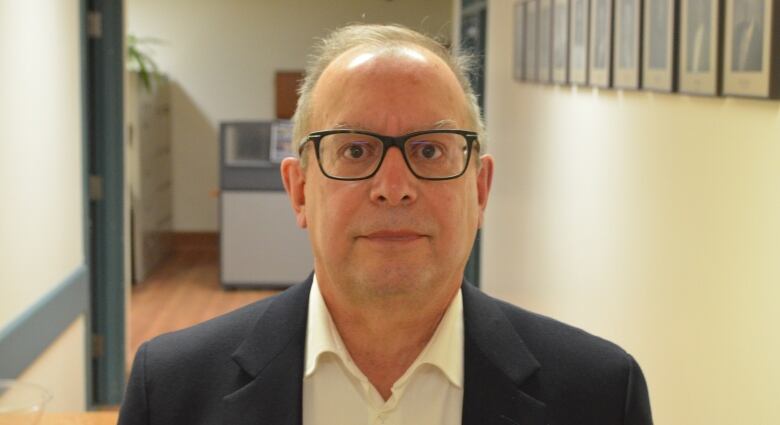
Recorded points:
(181,292)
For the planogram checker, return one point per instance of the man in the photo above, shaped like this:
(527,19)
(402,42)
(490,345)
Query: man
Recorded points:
(391,189)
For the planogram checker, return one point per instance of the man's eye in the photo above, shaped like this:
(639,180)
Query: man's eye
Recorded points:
(427,151)
(356,151)
(430,152)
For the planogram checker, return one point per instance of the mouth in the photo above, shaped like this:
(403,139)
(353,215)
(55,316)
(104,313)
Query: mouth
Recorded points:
(393,236)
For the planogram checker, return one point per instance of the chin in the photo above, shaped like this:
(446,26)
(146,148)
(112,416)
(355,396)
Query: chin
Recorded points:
(392,282)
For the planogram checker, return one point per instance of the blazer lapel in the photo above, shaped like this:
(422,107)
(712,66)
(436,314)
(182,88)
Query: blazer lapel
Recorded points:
(499,371)
(272,358)
(499,368)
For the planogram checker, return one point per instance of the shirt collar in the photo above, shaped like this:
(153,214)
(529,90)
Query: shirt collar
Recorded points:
(444,350)
(321,334)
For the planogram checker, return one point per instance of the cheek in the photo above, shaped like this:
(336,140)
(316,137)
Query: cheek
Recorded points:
(457,213)
(330,212)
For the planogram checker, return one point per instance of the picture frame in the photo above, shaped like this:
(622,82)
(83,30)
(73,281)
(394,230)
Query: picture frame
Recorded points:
(752,48)
(518,69)
(544,45)
(560,42)
(659,61)
(579,34)
(531,10)
(700,52)
(626,69)
(600,51)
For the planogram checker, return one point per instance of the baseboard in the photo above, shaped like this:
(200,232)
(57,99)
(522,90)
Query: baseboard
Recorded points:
(187,241)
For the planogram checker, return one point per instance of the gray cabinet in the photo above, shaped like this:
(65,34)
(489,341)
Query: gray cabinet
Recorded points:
(260,242)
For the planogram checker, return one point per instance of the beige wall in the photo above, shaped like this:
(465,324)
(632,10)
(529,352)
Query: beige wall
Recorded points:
(40,150)
(61,370)
(652,220)
(221,58)
(41,231)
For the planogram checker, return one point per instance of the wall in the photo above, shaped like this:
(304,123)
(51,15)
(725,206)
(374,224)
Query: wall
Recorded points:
(41,186)
(650,219)
(57,369)
(221,58)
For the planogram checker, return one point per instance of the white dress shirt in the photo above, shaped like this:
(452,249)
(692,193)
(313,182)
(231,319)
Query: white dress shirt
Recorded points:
(336,392)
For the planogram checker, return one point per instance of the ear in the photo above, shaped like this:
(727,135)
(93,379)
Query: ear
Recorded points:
(484,181)
(294,179)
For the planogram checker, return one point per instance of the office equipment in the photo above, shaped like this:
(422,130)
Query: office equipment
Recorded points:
(260,243)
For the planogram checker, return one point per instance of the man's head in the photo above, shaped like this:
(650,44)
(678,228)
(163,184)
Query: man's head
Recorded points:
(379,38)
(393,237)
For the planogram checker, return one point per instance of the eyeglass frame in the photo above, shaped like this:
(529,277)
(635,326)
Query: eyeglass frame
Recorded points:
(387,143)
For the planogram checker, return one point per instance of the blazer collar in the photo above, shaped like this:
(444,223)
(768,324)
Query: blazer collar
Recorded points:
(499,371)
(271,357)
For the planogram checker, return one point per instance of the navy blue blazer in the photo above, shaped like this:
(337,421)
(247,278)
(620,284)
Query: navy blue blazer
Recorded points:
(246,367)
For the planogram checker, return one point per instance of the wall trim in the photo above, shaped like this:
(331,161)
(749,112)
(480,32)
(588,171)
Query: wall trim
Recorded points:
(24,339)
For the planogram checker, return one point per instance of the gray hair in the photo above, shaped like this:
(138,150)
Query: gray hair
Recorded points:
(379,36)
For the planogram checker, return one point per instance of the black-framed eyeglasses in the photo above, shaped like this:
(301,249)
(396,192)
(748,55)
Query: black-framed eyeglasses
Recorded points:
(357,155)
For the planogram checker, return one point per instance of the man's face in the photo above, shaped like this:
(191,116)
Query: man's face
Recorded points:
(393,236)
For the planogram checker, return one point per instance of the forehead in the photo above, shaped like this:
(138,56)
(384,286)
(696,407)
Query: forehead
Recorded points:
(394,90)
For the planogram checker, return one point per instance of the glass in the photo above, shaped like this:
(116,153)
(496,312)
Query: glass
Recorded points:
(357,155)
(21,403)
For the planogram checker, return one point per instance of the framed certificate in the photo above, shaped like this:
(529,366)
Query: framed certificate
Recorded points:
(627,35)
(752,48)
(545,41)
(700,51)
(600,43)
(660,58)
(578,36)
(518,70)
(560,42)
(531,9)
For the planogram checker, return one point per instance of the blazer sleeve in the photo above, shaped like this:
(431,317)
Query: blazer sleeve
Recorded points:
(637,408)
(135,406)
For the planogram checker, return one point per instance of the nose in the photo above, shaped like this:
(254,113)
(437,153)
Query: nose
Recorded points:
(394,184)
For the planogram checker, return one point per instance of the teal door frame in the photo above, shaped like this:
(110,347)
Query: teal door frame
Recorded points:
(104,102)
(474,16)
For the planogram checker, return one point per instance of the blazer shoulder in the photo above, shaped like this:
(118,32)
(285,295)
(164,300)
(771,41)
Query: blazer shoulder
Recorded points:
(214,338)
(554,341)
(582,375)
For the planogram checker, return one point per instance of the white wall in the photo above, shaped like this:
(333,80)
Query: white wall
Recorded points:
(652,220)
(222,57)
(41,231)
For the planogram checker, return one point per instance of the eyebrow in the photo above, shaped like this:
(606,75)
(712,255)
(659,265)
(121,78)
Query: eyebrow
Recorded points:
(438,125)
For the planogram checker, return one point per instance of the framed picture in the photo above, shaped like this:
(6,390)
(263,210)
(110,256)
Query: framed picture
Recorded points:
(627,25)
(660,58)
(699,72)
(752,48)
(545,41)
(600,43)
(519,40)
(560,41)
(531,9)
(578,52)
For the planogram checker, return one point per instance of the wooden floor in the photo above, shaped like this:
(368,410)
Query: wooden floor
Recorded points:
(183,291)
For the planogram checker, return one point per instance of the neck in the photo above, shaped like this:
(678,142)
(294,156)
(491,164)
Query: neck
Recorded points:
(386,337)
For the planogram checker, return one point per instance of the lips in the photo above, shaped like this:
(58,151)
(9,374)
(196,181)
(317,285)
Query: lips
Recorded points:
(393,235)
